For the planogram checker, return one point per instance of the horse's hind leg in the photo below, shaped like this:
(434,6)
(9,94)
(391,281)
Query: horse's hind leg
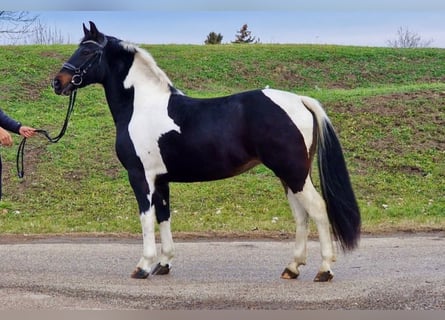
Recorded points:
(315,206)
(305,201)
(301,233)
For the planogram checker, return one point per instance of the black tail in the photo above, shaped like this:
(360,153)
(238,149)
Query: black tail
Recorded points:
(343,211)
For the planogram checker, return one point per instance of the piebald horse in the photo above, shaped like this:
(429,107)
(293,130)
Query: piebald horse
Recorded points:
(164,136)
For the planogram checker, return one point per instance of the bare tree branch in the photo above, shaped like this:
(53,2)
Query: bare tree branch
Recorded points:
(408,39)
(16,24)
(42,34)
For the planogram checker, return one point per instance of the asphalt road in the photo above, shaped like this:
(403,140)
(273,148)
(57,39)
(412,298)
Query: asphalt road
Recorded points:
(390,273)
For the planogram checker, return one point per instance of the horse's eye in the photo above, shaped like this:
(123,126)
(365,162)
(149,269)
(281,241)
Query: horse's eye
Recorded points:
(85,52)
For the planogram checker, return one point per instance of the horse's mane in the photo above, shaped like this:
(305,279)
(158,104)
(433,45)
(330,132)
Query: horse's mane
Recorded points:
(146,61)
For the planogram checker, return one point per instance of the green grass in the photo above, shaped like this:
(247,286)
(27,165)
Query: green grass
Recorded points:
(387,105)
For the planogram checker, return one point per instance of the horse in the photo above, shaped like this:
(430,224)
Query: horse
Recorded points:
(164,136)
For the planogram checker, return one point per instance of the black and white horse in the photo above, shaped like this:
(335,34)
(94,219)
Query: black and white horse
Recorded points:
(163,136)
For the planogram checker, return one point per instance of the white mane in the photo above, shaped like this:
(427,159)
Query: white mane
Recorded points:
(148,70)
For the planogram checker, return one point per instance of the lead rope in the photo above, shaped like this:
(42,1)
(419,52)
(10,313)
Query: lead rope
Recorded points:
(21,149)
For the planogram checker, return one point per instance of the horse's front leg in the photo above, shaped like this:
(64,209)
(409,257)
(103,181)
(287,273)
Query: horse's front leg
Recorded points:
(147,217)
(158,209)
(149,255)
(161,203)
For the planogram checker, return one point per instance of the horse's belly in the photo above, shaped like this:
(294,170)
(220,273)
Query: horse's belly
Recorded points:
(207,167)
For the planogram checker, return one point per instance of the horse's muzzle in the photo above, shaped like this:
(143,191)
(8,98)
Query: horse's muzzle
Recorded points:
(62,85)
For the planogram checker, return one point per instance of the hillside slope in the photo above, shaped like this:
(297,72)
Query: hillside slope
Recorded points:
(388,106)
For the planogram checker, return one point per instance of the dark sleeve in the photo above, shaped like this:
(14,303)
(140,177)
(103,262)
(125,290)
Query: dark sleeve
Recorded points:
(8,123)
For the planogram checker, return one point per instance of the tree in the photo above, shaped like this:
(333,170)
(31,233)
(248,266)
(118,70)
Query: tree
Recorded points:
(244,36)
(16,24)
(42,34)
(213,38)
(408,39)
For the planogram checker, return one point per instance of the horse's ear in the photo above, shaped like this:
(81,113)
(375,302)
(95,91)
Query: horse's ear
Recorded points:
(93,29)
(85,30)
(96,34)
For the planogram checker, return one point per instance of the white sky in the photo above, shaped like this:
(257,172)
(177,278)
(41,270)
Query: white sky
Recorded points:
(342,22)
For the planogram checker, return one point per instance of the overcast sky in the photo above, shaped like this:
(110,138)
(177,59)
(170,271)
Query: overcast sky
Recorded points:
(342,22)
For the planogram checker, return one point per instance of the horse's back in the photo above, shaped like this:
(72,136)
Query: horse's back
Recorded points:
(221,137)
(250,109)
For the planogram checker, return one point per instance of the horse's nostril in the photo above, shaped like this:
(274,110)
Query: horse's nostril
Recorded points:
(55,83)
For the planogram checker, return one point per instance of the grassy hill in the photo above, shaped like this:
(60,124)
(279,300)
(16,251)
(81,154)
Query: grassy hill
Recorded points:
(388,107)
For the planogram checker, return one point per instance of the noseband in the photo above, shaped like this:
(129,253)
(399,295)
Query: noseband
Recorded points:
(80,71)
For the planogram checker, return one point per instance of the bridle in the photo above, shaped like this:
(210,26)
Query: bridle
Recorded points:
(82,70)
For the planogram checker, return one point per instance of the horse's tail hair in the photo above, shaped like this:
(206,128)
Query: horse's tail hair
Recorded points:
(341,204)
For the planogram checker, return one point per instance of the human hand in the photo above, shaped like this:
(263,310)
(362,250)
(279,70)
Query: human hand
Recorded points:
(5,138)
(27,131)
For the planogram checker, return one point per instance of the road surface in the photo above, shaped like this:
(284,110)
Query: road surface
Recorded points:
(400,272)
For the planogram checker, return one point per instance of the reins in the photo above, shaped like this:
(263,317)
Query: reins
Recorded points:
(21,149)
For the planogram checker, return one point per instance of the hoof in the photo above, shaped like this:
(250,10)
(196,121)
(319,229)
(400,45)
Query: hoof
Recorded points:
(161,270)
(287,274)
(323,276)
(140,274)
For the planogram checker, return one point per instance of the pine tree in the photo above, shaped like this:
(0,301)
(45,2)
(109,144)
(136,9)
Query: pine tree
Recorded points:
(213,38)
(244,35)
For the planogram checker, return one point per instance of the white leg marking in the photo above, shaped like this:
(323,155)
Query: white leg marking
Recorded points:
(148,258)
(301,233)
(167,247)
(315,206)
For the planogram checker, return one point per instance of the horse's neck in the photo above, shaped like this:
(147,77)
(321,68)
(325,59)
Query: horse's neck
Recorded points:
(144,74)
(135,92)
(150,88)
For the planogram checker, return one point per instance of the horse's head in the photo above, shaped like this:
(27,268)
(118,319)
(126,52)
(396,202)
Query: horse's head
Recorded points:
(83,67)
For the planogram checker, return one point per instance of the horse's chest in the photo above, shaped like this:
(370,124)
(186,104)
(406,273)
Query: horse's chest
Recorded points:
(145,128)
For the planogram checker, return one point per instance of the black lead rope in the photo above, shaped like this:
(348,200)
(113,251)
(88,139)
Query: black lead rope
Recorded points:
(21,149)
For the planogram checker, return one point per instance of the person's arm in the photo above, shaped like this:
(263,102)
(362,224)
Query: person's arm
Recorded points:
(12,125)
(8,123)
